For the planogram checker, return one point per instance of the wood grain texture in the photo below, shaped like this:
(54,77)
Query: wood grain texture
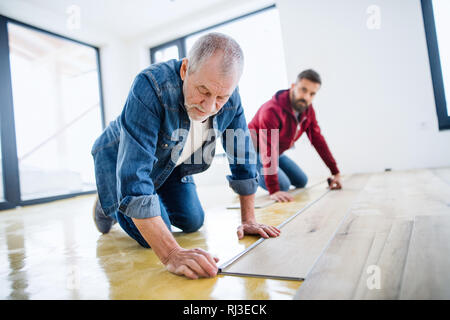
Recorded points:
(379,231)
(335,276)
(427,267)
(443,173)
(390,258)
(263,201)
(303,239)
(338,271)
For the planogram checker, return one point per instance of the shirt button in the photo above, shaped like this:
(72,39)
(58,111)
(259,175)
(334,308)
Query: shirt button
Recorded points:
(165,145)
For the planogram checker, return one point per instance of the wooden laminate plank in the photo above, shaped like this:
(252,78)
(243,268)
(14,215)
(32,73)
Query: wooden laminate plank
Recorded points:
(303,239)
(443,173)
(426,274)
(334,277)
(405,194)
(382,274)
(377,232)
(338,271)
(263,200)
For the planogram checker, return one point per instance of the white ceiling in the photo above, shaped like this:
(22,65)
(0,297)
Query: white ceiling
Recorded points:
(128,18)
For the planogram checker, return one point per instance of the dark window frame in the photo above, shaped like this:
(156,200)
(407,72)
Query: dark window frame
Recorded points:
(435,65)
(10,166)
(181,41)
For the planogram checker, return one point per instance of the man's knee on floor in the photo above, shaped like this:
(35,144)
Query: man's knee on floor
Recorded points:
(284,185)
(302,183)
(193,222)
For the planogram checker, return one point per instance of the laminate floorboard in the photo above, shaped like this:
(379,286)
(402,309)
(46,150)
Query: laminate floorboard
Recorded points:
(263,200)
(427,268)
(386,228)
(303,239)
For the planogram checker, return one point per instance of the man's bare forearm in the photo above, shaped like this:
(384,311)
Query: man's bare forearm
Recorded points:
(158,236)
(247,208)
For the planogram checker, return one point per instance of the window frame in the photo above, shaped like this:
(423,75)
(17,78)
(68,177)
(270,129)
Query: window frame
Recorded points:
(10,165)
(181,41)
(435,65)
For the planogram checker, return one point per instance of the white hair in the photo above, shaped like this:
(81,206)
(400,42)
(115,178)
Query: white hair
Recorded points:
(207,45)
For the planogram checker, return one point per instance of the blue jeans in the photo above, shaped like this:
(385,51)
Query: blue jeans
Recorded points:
(289,173)
(180,207)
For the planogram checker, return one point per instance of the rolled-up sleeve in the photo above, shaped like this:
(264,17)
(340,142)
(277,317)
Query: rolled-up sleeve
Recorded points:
(243,187)
(241,155)
(140,122)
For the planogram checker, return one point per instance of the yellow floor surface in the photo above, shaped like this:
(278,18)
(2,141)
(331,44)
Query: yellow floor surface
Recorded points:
(54,251)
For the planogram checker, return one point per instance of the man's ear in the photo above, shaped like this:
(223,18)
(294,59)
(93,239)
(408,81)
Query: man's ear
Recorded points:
(291,89)
(183,69)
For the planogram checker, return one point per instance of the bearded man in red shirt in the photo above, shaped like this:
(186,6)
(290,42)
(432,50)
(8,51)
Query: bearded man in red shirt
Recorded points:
(275,128)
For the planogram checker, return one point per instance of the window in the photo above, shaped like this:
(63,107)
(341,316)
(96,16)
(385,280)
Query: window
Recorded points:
(55,101)
(165,54)
(436,15)
(167,51)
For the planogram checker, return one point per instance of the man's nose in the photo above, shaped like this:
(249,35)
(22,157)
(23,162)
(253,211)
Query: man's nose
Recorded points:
(209,105)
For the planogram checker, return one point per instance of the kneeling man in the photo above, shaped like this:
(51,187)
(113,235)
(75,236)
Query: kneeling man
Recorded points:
(277,125)
(145,159)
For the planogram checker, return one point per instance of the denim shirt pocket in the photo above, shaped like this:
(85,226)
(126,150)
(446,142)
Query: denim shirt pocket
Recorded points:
(167,149)
(165,146)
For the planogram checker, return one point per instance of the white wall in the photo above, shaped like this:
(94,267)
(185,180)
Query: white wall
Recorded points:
(119,62)
(376,106)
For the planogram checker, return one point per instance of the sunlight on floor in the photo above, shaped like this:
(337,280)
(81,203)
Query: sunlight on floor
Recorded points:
(53,251)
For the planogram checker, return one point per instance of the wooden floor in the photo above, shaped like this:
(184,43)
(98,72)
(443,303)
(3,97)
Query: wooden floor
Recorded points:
(395,234)
(53,251)
(393,244)
(305,236)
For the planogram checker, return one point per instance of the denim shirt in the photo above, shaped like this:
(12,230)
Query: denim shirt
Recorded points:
(137,151)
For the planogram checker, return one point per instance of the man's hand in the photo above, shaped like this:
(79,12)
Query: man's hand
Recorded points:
(249,224)
(281,196)
(192,263)
(334,182)
(257,228)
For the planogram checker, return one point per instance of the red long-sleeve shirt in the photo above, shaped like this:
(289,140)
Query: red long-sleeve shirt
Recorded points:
(278,113)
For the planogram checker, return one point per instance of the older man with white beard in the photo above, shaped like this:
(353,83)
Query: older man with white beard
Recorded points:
(145,159)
